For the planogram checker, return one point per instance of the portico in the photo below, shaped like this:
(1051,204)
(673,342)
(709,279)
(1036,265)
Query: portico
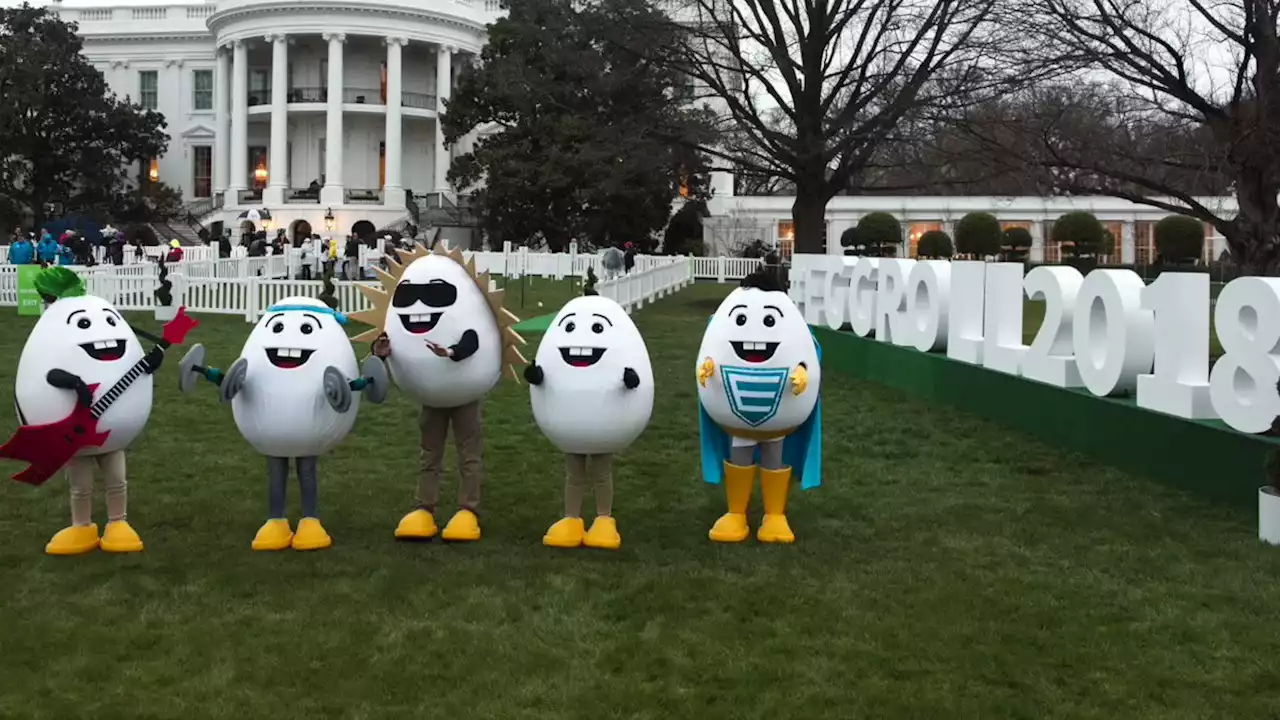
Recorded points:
(263,81)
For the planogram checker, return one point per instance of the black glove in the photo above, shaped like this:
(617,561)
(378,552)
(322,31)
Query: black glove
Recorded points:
(67,381)
(533,374)
(630,379)
(153,359)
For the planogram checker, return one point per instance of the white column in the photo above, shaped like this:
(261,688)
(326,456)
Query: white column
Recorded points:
(239,149)
(278,166)
(444,77)
(1037,242)
(393,190)
(222,121)
(1128,243)
(333,192)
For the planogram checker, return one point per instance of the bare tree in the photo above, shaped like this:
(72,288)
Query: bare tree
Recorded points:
(1191,102)
(815,87)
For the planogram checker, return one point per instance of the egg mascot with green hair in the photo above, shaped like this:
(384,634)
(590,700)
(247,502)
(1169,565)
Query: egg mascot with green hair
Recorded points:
(83,396)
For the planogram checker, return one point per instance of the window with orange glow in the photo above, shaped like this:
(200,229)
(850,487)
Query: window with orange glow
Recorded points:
(917,230)
(786,239)
(384,82)
(153,170)
(1052,250)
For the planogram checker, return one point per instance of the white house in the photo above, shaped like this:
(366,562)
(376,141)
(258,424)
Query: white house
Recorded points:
(253,90)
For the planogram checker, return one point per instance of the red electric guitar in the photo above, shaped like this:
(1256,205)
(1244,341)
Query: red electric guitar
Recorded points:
(49,447)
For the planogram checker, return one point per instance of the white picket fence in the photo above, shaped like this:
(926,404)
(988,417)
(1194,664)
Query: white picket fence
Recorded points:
(641,286)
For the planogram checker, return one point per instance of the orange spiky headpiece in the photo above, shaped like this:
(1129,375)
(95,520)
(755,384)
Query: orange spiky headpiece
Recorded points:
(381,300)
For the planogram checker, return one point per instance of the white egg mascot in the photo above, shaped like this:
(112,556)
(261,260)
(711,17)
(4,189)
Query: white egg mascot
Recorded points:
(82,358)
(447,341)
(759,371)
(591,387)
(291,395)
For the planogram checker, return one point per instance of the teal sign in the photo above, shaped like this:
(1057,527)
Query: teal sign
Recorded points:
(29,302)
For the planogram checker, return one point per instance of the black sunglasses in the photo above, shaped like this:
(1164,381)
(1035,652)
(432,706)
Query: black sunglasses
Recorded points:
(436,294)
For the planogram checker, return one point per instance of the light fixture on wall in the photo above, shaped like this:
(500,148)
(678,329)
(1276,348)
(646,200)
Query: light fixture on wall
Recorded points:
(328,219)
(260,173)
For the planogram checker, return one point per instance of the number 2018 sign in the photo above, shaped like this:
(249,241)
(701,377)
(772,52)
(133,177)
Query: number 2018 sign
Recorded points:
(1108,332)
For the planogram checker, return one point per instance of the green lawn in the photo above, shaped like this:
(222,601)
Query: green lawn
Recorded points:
(947,569)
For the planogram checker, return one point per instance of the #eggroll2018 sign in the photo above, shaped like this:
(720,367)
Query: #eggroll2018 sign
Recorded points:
(1107,332)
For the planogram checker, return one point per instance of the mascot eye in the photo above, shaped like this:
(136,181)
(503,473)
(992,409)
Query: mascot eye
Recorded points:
(770,321)
(83,323)
(277,328)
(740,320)
(306,328)
(569,326)
(111,321)
(597,328)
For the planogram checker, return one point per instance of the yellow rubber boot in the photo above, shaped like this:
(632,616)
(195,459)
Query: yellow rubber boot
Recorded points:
(464,526)
(119,537)
(603,534)
(74,540)
(417,525)
(274,534)
(732,526)
(311,535)
(774,486)
(566,533)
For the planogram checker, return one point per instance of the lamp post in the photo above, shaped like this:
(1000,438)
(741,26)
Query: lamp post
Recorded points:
(328,219)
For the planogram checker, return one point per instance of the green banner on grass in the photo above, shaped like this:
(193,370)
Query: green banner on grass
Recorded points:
(29,302)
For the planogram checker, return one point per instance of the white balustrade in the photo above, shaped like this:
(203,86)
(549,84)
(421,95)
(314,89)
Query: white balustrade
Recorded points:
(664,276)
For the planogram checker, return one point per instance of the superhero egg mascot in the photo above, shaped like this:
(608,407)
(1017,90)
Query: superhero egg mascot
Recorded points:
(447,341)
(591,387)
(83,395)
(291,392)
(758,372)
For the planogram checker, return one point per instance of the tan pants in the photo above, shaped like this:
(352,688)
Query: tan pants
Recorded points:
(580,468)
(468,435)
(81,471)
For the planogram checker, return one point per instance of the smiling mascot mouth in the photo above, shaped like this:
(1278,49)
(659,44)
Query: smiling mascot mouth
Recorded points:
(754,352)
(420,324)
(288,358)
(106,350)
(581,356)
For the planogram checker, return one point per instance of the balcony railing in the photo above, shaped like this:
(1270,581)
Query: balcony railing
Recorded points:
(250,196)
(260,97)
(308,95)
(362,96)
(303,196)
(420,101)
(357,196)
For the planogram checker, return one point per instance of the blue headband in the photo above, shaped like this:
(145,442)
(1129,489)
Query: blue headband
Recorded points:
(342,319)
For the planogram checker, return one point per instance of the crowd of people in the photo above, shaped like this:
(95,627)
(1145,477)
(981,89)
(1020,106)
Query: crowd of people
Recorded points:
(73,248)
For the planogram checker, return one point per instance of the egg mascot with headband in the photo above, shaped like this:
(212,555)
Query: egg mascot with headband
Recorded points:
(759,370)
(447,340)
(591,387)
(293,393)
(83,395)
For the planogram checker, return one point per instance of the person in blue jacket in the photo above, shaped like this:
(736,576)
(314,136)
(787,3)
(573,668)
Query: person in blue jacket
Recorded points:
(67,250)
(22,252)
(47,248)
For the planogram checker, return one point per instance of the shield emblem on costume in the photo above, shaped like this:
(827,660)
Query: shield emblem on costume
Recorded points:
(754,393)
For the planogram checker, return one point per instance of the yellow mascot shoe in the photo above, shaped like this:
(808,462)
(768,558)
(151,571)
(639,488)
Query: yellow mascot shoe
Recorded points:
(603,534)
(774,486)
(273,535)
(119,537)
(417,525)
(730,528)
(311,535)
(566,533)
(74,540)
(464,526)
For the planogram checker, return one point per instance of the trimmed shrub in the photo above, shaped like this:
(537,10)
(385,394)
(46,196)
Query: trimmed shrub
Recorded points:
(1017,244)
(848,238)
(879,234)
(1179,239)
(589,284)
(1080,235)
(979,235)
(934,244)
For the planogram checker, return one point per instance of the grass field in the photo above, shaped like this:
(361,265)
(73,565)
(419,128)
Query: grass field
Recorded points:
(947,568)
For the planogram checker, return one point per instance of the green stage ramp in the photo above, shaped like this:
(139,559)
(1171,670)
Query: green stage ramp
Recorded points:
(1203,457)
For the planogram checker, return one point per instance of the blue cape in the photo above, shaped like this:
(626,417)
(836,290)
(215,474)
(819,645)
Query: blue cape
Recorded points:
(802,449)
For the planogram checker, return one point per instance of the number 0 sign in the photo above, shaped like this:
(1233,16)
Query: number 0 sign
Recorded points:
(1108,332)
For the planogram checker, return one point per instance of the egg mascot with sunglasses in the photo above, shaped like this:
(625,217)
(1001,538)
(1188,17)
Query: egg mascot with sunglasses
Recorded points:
(447,340)
(759,371)
(293,395)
